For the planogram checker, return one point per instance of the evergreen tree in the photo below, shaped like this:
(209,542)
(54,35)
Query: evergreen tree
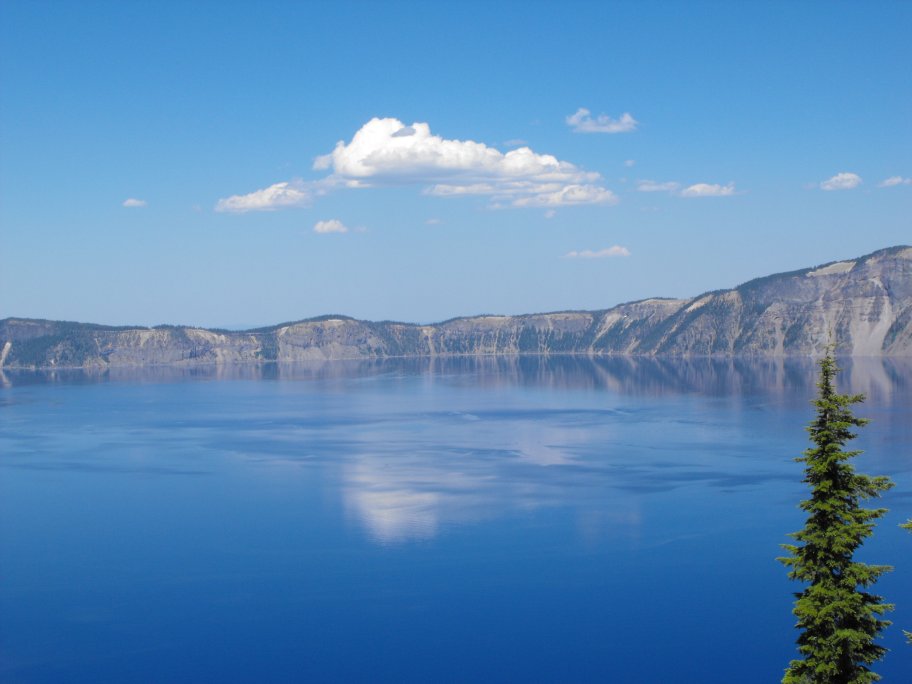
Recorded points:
(839,620)
(908,526)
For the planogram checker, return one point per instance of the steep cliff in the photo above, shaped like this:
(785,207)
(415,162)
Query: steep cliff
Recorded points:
(864,305)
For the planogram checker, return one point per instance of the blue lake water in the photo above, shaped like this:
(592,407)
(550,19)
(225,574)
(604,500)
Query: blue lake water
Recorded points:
(492,520)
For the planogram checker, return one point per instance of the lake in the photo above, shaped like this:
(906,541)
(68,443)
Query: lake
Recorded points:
(463,520)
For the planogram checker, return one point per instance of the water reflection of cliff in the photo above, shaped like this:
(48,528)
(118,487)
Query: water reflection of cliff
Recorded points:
(648,376)
(423,444)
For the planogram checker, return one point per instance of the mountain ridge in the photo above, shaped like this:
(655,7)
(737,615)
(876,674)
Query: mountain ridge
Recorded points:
(864,305)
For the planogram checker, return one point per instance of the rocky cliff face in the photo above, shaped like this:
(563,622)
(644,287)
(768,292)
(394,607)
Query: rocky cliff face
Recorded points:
(865,305)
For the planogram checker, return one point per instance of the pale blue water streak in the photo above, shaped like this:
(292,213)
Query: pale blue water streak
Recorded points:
(472,520)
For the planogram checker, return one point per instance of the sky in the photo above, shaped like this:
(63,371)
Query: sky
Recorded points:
(242,164)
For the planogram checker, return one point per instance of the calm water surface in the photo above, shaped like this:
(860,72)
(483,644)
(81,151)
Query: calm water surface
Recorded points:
(495,520)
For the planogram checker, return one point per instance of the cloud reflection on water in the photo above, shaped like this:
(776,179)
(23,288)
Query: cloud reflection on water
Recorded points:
(418,473)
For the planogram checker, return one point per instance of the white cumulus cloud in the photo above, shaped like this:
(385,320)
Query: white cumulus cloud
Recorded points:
(615,251)
(386,152)
(654,186)
(893,181)
(842,181)
(380,153)
(708,190)
(330,226)
(133,203)
(582,122)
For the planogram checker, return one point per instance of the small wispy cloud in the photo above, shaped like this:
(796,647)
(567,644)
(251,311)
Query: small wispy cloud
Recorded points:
(550,214)
(708,190)
(276,196)
(893,181)
(615,251)
(629,163)
(654,186)
(133,203)
(583,122)
(515,142)
(433,222)
(330,226)
(567,196)
(842,181)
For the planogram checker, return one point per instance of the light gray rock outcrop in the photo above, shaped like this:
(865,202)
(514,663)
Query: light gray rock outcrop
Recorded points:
(863,305)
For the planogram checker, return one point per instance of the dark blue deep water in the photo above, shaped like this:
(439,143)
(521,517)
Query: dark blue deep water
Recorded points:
(493,520)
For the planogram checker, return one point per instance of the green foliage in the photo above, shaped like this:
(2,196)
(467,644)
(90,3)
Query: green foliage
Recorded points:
(839,620)
(907,526)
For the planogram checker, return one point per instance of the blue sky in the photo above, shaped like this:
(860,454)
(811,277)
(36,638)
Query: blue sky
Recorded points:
(270,154)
